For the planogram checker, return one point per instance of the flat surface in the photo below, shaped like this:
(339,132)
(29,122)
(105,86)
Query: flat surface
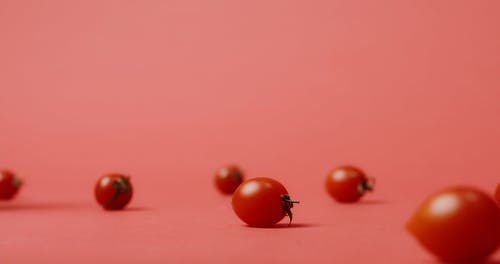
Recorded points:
(167,91)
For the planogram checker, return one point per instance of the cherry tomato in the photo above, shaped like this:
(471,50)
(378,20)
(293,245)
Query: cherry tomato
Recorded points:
(497,194)
(113,191)
(347,184)
(9,184)
(458,224)
(262,202)
(227,179)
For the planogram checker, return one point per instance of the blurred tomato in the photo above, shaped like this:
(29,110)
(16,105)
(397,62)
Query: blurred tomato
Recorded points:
(458,224)
(228,178)
(347,184)
(9,184)
(113,191)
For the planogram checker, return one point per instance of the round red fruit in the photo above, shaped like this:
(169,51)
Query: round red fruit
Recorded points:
(347,184)
(458,224)
(262,202)
(9,184)
(228,178)
(113,191)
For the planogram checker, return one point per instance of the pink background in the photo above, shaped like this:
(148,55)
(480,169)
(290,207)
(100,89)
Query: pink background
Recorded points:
(167,91)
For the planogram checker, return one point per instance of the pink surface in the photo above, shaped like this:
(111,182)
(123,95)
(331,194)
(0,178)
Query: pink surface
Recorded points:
(167,91)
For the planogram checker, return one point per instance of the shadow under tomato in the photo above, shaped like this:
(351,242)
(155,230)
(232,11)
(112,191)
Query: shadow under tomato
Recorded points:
(372,202)
(12,206)
(284,225)
(131,209)
(486,261)
(56,206)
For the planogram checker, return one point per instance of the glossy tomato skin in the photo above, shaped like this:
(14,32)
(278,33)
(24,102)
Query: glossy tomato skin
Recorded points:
(497,194)
(347,184)
(228,178)
(458,224)
(259,202)
(113,191)
(9,184)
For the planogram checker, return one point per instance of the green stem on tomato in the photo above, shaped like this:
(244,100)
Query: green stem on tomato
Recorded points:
(120,186)
(366,185)
(16,182)
(287,205)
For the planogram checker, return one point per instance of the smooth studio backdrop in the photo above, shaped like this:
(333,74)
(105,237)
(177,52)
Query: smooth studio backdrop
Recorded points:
(167,91)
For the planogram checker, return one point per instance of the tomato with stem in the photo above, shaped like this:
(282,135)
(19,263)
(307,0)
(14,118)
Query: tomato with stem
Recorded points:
(348,184)
(458,224)
(228,178)
(113,191)
(9,184)
(262,202)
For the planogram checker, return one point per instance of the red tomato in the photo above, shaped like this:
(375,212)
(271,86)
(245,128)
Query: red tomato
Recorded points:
(497,194)
(347,184)
(9,184)
(227,179)
(458,224)
(113,191)
(262,202)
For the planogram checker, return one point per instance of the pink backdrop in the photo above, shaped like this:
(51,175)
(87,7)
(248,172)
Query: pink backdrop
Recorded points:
(167,91)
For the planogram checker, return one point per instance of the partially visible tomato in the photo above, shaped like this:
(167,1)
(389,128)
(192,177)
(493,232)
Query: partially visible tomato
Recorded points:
(458,224)
(262,202)
(113,191)
(347,184)
(497,193)
(228,178)
(9,184)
